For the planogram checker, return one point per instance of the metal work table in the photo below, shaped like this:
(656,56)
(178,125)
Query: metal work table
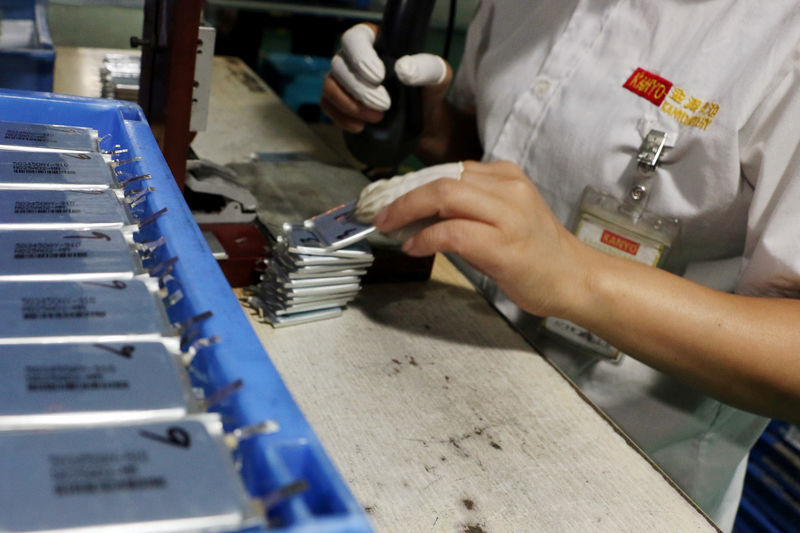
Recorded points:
(439,416)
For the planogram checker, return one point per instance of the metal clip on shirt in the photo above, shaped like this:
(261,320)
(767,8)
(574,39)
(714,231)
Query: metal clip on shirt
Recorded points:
(648,158)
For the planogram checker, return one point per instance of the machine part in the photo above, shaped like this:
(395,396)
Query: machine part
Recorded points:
(217,250)
(54,385)
(61,255)
(206,180)
(61,171)
(402,32)
(48,138)
(125,478)
(169,44)
(203,67)
(90,311)
(64,209)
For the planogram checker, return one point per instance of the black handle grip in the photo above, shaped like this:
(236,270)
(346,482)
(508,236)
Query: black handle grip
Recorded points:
(387,143)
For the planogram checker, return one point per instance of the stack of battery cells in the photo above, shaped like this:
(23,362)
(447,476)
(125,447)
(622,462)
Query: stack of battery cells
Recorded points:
(119,76)
(315,269)
(100,427)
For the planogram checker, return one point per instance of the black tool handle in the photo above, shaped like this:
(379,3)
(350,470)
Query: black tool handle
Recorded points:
(402,32)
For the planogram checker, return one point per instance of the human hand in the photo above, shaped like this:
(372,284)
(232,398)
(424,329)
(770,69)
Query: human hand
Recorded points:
(379,194)
(352,94)
(495,219)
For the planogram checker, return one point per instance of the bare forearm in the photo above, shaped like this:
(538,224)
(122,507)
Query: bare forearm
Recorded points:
(742,350)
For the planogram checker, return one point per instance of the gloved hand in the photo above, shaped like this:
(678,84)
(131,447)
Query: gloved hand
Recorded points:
(379,194)
(352,93)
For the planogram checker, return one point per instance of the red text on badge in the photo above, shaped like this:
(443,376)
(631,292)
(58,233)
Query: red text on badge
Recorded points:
(619,242)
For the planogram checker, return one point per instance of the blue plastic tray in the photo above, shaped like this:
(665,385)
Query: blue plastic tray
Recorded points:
(28,68)
(268,462)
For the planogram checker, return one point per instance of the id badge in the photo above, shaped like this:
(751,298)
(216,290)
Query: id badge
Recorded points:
(606,224)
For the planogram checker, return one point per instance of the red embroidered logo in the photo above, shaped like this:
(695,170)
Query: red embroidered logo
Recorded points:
(619,242)
(648,86)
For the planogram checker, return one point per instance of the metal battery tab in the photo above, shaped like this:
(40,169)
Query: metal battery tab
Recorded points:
(40,170)
(60,255)
(313,306)
(48,137)
(338,227)
(293,261)
(298,239)
(301,318)
(56,385)
(302,273)
(63,209)
(170,476)
(90,311)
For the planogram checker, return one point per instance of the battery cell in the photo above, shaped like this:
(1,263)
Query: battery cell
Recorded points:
(170,476)
(48,137)
(40,170)
(89,311)
(59,255)
(64,209)
(53,385)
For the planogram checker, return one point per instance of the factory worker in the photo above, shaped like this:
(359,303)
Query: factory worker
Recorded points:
(614,136)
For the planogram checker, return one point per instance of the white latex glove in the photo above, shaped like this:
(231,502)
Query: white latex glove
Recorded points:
(360,71)
(379,194)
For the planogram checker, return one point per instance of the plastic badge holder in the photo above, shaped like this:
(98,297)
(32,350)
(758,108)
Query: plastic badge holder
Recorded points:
(171,476)
(53,385)
(268,462)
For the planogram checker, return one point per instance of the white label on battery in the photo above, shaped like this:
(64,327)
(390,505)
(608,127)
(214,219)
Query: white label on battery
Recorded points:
(60,255)
(39,170)
(47,137)
(172,476)
(95,311)
(52,385)
(54,209)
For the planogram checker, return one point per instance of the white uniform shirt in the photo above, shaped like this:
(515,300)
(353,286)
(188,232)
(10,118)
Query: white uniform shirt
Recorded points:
(567,89)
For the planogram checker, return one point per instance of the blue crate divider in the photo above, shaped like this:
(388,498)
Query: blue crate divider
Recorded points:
(29,68)
(771,496)
(268,462)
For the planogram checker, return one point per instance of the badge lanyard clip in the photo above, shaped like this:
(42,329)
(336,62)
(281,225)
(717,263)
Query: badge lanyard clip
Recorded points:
(648,158)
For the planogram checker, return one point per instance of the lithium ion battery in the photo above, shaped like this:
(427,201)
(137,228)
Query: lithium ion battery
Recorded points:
(41,170)
(55,385)
(58,255)
(63,209)
(160,477)
(48,137)
(89,311)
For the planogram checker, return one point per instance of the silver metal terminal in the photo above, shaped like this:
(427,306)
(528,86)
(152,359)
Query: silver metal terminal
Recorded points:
(651,150)
(638,192)
(267,427)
